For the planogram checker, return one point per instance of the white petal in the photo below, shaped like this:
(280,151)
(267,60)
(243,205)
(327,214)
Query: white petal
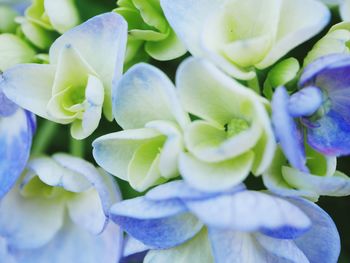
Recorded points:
(30,86)
(146,94)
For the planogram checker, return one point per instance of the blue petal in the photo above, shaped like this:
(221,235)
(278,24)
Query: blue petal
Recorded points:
(330,135)
(251,211)
(7,107)
(305,102)
(322,243)
(16,133)
(286,130)
(157,224)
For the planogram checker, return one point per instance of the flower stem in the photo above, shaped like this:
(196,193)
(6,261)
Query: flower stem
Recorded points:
(43,137)
(77,147)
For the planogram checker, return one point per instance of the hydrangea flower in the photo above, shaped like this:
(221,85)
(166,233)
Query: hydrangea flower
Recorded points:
(77,83)
(147,108)
(149,31)
(43,18)
(17,127)
(239,36)
(231,133)
(178,223)
(58,212)
(318,112)
(320,106)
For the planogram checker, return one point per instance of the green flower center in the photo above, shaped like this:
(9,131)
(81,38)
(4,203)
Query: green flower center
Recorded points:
(236,126)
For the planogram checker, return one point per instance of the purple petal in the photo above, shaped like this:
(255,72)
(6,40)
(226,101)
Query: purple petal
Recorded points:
(305,102)
(286,130)
(312,71)
(330,134)
(157,224)
(16,134)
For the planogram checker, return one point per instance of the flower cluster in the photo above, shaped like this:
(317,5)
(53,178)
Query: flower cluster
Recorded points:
(229,119)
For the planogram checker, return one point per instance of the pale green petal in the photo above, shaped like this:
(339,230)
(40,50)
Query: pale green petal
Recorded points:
(241,34)
(37,15)
(212,144)
(143,170)
(37,35)
(63,14)
(196,250)
(299,21)
(94,96)
(173,146)
(7,20)
(30,86)
(14,50)
(167,49)
(151,13)
(215,177)
(208,93)
(113,152)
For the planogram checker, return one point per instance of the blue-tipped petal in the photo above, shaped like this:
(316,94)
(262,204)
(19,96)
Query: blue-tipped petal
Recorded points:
(252,211)
(286,130)
(157,224)
(16,132)
(330,134)
(305,102)
(321,243)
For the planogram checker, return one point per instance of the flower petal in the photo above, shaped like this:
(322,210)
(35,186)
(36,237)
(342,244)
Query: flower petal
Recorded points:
(15,139)
(247,211)
(286,130)
(187,26)
(29,223)
(63,15)
(300,20)
(152,96)
(214,177)
(322,242)
(156,224)
(72,241)
(113,152)
(196,250)
(30,86)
